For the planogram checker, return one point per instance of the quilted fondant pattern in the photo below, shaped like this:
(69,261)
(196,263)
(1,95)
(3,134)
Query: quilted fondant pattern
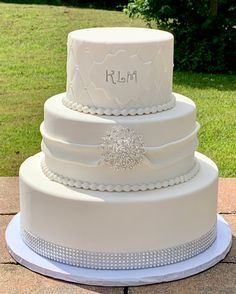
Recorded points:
(119,75)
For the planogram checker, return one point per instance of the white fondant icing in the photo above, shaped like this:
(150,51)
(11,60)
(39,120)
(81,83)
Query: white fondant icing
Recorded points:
(72,144)
(107,71)
(118,222)
(125,76)
(157,129)
(77,152)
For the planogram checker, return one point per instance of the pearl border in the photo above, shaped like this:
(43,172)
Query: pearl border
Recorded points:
(118,188)
(117,112)
(119,261)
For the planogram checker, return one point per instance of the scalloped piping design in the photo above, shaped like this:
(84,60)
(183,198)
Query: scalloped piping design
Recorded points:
(116,112)
(118,188)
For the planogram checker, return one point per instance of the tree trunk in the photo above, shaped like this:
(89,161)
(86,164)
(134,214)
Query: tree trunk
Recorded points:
(213,7)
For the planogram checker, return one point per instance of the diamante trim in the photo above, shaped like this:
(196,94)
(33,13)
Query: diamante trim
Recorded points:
(119,261)
(118,188)
(116,112)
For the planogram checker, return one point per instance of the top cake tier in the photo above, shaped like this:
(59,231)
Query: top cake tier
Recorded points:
(119,71)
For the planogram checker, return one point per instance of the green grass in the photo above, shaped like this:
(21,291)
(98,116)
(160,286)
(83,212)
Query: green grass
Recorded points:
(33,68)
(215,98)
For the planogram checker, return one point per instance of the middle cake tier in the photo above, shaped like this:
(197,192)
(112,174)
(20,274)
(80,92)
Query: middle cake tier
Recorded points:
(108,153)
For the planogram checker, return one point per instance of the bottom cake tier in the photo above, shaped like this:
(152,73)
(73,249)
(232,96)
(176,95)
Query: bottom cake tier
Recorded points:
(118,230)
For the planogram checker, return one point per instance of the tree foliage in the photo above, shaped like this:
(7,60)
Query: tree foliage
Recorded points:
(204,31)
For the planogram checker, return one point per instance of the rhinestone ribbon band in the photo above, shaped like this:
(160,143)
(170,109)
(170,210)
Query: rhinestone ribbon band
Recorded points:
(119,261)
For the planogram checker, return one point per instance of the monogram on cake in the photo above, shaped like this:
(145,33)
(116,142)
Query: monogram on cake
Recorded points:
(119,184)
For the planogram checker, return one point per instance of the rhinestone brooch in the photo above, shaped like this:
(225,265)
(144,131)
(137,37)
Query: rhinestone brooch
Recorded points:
(122,148)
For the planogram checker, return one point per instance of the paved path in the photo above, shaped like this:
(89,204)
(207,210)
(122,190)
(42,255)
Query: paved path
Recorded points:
(15,279)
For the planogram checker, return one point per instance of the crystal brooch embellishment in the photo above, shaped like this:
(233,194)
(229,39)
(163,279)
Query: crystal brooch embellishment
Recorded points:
(122,148)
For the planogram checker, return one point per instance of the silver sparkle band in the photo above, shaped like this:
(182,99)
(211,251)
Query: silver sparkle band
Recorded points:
(119,261)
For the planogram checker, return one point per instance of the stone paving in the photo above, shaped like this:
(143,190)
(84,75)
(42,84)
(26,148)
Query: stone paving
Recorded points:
(15,279)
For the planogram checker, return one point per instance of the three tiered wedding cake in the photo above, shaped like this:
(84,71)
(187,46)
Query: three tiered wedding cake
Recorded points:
(119,184)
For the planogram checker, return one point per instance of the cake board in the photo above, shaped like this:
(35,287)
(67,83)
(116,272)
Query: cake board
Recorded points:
(28,258)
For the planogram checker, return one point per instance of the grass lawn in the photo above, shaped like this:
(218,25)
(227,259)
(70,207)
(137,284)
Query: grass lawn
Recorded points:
(33,68)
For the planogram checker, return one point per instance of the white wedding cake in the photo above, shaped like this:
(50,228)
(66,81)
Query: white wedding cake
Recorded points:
(119,184)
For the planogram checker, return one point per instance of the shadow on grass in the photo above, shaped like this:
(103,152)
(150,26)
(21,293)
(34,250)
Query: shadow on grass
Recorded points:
(116,5)
(220,82)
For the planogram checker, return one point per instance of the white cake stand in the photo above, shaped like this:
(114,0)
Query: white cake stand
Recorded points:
(28,258)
